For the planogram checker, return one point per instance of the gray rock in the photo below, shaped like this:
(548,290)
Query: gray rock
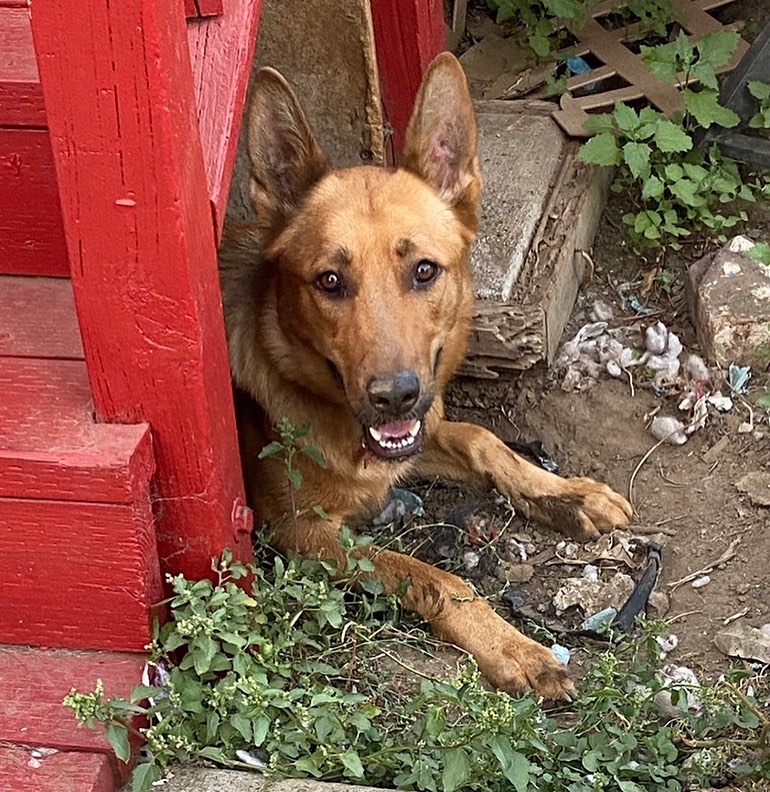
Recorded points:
(729,296)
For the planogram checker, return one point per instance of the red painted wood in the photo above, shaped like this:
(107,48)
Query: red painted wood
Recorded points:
(190,9)
(408,35)
(33,683)
(50,447)
(62,772)
(207,8)
(118,90)
(21,98)
(31,230)
(38,319)
(221,52)
(78,575)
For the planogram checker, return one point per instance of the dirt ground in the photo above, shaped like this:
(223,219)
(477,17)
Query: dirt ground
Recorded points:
(685,496)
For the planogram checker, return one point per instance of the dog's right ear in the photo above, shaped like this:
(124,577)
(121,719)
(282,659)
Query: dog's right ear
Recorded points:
(286,160)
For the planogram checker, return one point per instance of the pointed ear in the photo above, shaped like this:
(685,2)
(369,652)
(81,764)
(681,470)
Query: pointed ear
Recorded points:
(441,138)
(286,160)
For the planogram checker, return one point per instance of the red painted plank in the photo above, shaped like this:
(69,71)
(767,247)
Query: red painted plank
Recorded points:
(204,8)
(78,575)
(408,35)
(31,231)
(21,98)
(221,52)
(61,772)
(33,683)
(118,90)
(38,319)
(190,9)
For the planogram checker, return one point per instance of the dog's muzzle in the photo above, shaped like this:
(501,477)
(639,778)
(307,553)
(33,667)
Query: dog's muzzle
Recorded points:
(394,396)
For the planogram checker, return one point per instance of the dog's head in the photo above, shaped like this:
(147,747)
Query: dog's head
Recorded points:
(373,285)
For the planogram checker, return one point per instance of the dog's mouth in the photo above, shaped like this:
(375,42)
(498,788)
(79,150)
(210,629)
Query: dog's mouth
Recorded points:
(395,440)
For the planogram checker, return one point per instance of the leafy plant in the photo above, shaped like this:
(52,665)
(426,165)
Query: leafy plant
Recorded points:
(290,673)
(761,92)
(761,253)
(543,20)
(675,187)
(289,676)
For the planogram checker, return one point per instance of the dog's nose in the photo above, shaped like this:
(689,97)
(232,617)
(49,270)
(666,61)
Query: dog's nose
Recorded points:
(394,393)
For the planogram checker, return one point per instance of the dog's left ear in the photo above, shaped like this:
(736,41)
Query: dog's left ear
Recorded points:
(441,138)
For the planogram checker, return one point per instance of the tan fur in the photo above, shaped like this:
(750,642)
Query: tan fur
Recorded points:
(286,337)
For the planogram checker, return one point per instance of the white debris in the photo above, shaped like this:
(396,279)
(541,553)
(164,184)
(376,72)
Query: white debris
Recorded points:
(700,582)
(672,430)
(684,681)
(590,572)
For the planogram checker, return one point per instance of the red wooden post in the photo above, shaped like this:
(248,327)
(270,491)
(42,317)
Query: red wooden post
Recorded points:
(408,34)
(117,85)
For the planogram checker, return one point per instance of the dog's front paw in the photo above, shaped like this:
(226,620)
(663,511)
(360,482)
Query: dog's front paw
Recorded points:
(522,663)
(582,509)
(509,660)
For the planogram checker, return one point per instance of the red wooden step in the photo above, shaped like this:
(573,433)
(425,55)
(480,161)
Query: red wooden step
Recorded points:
(78,558)
(33,683)
(31,230)
(61,772)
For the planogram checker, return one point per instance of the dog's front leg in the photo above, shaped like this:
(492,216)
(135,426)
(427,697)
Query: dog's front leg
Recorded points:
(579,507)
(508,659)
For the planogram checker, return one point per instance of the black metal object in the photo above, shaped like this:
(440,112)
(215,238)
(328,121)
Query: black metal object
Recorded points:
(735,143)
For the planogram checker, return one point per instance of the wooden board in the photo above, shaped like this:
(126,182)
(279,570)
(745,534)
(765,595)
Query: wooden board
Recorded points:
(527,283)
(62,772)
(33,683)
(31,230)
(618,61)
(118,90)
(408,35)
(38,319)
(325,49)
(50,446)
(21,98)
(221,52)
(78,575)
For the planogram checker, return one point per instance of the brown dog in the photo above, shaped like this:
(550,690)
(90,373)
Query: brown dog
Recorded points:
(348,308)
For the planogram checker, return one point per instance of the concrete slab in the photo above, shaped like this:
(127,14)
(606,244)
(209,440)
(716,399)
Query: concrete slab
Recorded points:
(520,154)
(200,779)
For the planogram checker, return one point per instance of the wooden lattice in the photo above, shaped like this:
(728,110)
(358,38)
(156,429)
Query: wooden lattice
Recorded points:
(609,47)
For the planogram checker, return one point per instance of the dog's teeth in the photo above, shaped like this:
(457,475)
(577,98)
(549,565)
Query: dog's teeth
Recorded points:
(415,429)
(375,434)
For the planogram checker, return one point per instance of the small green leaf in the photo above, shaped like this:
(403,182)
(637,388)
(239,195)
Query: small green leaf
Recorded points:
(315,455)
(601,150)
(322,513)
(242,725)
(637,157)
(760,252)
(705,108)
(352,763)
(670,137)
(625,117)
(715,49)
(759,90)
(117,737)
(457,767)
(271,449)
(295,477)
(653,188)
(144,776)
(602,122)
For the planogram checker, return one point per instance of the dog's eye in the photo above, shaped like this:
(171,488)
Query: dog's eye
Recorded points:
(330,282)
(426,272)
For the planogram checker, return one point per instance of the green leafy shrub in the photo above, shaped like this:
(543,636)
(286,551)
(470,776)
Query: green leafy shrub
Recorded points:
(291,672)
(675,187)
